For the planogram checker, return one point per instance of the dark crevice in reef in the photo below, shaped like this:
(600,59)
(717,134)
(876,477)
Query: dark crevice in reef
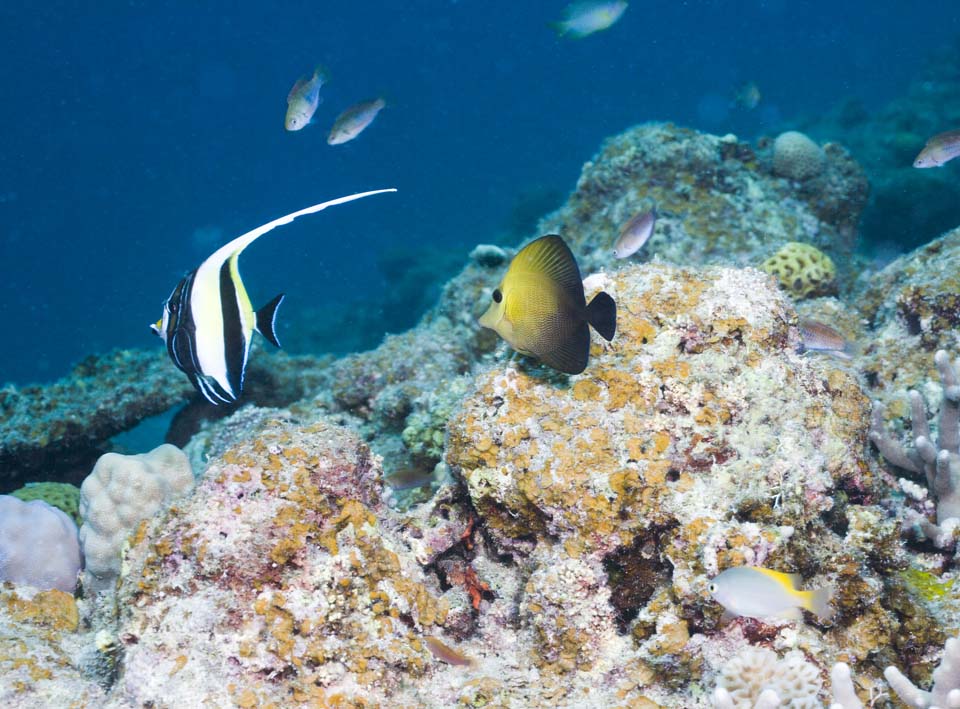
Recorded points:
(634,573)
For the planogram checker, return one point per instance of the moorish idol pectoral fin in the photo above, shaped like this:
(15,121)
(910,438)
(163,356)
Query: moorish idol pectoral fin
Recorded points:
(570,356)
(602,314)
(241,242)
(267,320)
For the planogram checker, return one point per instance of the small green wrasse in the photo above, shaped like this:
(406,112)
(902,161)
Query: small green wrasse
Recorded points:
(303,99)
(208,320)
(585,18)
(540,309)
(354,120)
(756,592)
(940,149)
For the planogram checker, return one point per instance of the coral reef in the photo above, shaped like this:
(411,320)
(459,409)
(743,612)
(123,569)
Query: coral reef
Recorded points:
(437,522)
(939,462)
(802,270)
(61,427)
(291,578)
(717,199)
(797,157)
(41,653)
(757,677)
(38,545)
(698,432)
(945,692)
(913,309)
(121,492)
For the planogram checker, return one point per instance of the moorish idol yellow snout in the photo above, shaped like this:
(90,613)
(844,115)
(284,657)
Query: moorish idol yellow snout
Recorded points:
(208,320)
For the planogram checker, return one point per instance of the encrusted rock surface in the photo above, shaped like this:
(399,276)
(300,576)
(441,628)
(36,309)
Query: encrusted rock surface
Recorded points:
(717,200)
(274,583)
(912,308)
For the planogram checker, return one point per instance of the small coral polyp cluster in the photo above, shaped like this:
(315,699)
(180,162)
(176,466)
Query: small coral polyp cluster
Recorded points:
(563,551)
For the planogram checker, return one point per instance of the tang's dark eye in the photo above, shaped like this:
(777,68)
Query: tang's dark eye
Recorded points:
(497,296)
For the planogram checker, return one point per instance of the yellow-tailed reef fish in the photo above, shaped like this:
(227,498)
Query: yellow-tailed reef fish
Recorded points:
(540,309)
(303,99)
(756,592)
(208,320)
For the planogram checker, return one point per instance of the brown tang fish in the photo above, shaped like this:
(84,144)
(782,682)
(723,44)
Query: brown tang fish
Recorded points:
(540,308)
(208,320)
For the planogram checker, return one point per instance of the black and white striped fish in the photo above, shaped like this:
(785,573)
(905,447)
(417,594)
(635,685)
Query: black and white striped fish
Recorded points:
(208,320)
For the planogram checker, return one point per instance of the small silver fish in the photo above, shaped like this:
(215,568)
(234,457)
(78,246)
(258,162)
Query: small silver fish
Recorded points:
(819,337)
(747,96)
(354,120)
(635,233)
(939,150)
(585,18)
(303,99)
(757,592)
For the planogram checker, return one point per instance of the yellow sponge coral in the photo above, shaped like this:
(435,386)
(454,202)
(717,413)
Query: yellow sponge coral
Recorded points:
(803,270)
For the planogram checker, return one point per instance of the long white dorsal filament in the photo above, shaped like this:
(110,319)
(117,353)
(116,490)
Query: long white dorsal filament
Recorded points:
(242,242)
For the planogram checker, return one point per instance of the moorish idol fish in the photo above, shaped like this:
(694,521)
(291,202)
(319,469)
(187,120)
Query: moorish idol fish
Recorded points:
(540,309)
(208,321)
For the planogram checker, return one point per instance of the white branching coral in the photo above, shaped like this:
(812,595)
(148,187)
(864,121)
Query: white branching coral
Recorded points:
(844,694)
(945,693)
(757,679)
(940,462)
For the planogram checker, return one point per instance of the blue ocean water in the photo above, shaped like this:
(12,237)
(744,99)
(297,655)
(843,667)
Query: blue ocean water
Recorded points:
(136,137)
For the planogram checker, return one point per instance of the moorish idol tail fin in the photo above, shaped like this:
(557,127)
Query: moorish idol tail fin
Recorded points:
(234,247)
(267,320)
(602,314)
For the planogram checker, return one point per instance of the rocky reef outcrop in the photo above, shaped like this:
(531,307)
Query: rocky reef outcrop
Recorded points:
(563,553)
(718,200)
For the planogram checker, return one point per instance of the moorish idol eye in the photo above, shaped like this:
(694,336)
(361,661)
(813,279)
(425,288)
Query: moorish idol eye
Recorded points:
(497,296)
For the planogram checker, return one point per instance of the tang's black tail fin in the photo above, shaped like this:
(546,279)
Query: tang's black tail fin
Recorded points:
(267,318)
(602,314)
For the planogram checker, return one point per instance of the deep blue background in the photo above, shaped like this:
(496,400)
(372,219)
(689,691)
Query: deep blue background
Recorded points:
(125,129)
